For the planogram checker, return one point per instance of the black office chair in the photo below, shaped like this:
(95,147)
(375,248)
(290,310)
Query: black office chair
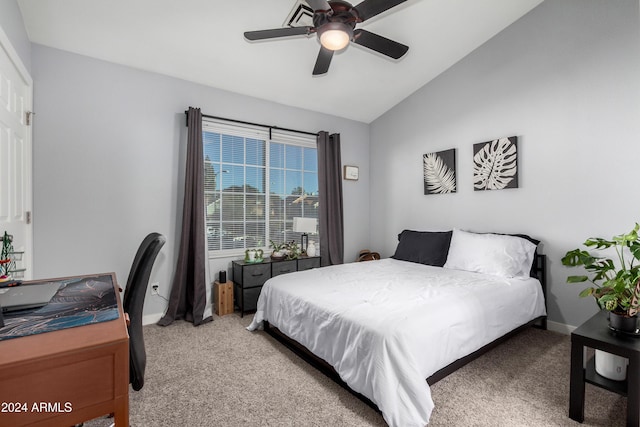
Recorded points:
(133,304)
(134,301)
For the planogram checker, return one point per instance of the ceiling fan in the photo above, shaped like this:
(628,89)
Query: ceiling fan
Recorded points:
(334,22)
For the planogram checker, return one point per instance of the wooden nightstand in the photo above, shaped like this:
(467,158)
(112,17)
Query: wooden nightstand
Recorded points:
(248,278)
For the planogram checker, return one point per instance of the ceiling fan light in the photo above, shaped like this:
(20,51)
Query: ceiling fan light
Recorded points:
(335,35)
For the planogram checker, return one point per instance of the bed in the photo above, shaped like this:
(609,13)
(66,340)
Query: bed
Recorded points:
(383,327)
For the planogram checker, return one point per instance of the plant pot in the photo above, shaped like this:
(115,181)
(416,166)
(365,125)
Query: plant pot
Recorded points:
(611,366)
(277,256)
(623,323)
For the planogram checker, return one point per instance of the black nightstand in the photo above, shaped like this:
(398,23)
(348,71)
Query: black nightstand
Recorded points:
(248,278)
(595,333)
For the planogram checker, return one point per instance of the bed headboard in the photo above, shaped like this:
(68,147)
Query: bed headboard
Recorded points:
(432,248)
(539,271)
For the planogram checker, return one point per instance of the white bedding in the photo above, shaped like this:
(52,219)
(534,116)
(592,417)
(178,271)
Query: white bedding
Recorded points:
(385,326)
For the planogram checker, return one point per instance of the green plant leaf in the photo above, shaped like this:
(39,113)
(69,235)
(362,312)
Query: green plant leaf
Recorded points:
(599,243)
(577,257)
(610,304)
(634,247)
(599,264)
(586,292)
(615,283)
(620,285)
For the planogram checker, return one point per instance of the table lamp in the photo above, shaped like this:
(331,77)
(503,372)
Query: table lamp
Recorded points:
(305,226)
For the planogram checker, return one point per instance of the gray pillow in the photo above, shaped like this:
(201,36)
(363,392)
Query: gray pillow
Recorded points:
(424,247)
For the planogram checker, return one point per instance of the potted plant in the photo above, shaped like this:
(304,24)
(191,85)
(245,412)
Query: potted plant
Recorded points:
(615,284)
(292,250)
(287,250)
(615,287)
(278,252)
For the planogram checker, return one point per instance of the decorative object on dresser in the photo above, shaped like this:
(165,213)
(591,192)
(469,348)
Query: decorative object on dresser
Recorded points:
(223,297)
(278,253)
(253,255)
(312,249)
(248,278)
(439,171)
(282,251)
(305,226)
(495,164)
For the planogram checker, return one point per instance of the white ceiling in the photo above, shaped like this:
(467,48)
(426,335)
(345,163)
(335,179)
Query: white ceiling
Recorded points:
(202,41)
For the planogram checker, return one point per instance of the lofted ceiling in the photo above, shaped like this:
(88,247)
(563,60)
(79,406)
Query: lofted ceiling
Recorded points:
(202,41)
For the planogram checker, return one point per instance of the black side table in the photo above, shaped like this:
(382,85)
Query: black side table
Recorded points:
(595,333)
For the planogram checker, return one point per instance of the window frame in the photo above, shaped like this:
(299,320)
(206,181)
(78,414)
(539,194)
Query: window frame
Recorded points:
(269,136)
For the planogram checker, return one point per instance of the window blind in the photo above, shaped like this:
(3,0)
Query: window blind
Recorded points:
(256,183)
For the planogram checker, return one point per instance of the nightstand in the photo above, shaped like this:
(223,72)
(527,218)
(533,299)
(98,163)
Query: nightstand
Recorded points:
(595,333)
(248,278)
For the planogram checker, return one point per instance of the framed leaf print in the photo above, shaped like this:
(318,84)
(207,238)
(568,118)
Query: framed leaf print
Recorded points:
(439,172)
(495,164)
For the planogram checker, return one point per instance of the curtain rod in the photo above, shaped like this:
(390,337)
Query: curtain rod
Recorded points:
(186,113)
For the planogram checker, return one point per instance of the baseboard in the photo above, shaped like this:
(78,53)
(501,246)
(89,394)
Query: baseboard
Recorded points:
(150,319)
(560,327)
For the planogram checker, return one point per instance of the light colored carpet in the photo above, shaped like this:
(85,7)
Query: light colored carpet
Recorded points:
(220,374)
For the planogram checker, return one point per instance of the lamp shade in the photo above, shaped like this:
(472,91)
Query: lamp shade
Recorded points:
(305,225)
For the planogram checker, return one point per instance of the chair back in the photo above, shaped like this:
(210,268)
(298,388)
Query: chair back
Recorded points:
(134,295)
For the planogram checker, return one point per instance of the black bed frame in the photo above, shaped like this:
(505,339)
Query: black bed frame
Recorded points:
(538,271)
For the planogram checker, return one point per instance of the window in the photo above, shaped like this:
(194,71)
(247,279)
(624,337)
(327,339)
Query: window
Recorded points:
(255,185)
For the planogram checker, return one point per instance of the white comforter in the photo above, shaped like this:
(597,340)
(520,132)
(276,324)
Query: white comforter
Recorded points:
(387,325)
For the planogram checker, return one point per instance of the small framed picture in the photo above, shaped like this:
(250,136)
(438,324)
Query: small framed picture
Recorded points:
(351,173)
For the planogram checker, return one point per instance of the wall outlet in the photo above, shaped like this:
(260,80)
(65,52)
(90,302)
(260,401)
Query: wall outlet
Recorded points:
(154,288)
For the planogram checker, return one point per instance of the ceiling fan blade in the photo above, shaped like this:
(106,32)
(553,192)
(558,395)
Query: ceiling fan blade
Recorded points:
(323,61)
(380,44)
(370,8)
(319,4)
(277,32)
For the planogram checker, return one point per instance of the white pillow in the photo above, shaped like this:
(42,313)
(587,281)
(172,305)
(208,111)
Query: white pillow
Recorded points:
(506,256)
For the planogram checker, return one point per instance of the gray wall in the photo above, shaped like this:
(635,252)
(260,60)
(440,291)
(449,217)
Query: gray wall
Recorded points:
(108,163)
(11,24)
(108,146)
(564,79)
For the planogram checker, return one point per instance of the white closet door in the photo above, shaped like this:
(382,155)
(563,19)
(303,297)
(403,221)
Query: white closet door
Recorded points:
(16,92)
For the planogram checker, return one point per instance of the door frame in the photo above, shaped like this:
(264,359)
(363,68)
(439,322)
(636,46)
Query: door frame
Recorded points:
(5,44)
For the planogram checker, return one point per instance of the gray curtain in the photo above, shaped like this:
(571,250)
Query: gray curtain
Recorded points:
(188,297)
(331,225)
